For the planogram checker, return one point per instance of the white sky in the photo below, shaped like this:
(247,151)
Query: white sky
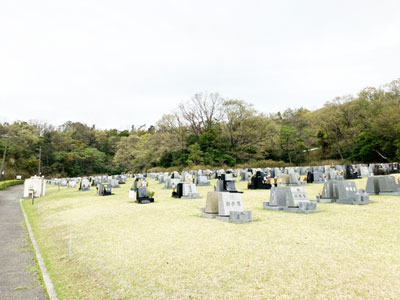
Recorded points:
(116,63)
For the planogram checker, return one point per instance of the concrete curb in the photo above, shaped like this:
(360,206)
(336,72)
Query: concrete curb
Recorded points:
(51,292)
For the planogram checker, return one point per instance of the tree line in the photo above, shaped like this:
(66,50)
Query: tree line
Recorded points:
(211,131)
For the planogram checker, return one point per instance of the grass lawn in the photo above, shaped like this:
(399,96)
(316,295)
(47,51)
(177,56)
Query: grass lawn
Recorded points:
(163,250)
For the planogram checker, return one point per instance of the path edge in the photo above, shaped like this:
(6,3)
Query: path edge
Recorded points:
(51,292)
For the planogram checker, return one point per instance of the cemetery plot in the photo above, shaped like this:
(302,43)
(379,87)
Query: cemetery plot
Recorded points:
(344,192)
(201,180)
(189,191)
(84,185)
(142,196)
(121,250)
(230,205)
(260,181)
(171,183)
(104,189)
(292,179)
(290,199)
(245,175)
(383,185)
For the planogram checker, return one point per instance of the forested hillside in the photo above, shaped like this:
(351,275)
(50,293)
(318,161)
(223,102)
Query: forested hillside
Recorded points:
(209,130)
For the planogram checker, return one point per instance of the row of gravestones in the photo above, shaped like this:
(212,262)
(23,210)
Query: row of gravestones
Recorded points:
(258,180)
(320,173)
(171,181)
(346,191)
(103,184)
(289,176)
(85,182)
(225,203)
(293,176)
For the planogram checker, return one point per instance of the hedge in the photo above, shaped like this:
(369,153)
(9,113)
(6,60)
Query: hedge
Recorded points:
(7,183)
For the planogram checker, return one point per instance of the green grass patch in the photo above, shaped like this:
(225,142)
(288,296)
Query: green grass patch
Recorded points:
(121,249)
(33,269)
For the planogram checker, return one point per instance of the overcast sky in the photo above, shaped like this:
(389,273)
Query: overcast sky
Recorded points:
(115,63)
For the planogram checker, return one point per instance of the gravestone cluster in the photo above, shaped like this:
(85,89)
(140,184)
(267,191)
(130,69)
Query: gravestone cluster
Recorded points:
(185,190)
(343,192)
(291,179)
(385,185)
(201,180)
(171,183)
(104,189)
(225,203)
(260,180)
(290,199)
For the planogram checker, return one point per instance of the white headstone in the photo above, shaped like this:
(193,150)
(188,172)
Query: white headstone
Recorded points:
(35,185)
(228,202)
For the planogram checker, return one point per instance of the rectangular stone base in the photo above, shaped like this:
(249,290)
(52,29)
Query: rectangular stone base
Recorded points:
(323,200)
(191,196)
(223,218)
(389,194)
(267,206)
(203,214)
(239,217)
(299,211)
(351,202)
(234,217)
(145,201)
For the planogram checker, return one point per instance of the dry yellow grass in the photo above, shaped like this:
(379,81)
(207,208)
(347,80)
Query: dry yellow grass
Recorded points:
(163,250)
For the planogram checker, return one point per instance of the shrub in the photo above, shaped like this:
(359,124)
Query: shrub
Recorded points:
(7,183)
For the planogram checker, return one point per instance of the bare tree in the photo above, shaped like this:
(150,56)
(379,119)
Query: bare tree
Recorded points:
(172,128)
(202,111)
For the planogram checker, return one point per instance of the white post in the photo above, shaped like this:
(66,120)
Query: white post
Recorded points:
(70,242)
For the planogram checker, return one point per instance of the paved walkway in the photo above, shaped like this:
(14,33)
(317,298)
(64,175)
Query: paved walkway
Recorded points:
(16,256)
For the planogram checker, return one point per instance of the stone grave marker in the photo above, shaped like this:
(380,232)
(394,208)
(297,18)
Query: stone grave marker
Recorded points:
(201,180)
(142,196)
(339,191)
(36,186)
(114,183)
(290,199)
(189,191)
(84,185)
(382,185)
(104,189)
